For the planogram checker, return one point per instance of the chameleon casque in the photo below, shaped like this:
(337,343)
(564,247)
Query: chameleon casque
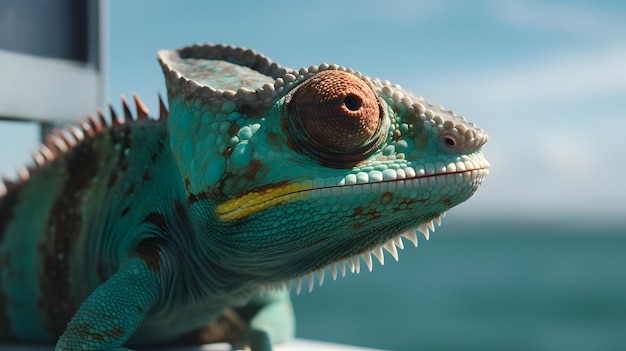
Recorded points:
(186,228)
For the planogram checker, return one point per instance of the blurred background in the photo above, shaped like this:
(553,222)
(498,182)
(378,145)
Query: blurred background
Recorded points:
(536,260)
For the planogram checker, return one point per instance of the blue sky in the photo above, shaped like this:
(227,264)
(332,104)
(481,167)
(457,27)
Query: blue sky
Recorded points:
(546,79)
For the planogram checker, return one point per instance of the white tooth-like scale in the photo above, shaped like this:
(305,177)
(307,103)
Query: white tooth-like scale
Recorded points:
(390,246)
(411,236)
(423,228)
(380,256)
(333,270)
(320,276)
(298,285)
(367,257)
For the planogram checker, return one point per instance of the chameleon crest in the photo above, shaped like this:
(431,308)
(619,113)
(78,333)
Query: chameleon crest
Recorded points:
(187,228)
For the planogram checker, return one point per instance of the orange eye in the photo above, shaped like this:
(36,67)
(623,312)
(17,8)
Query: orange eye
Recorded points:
(335,118)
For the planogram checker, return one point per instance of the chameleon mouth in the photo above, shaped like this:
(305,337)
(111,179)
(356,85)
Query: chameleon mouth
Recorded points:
(468,170)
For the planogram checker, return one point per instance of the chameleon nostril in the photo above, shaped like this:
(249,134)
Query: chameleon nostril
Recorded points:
(450,141)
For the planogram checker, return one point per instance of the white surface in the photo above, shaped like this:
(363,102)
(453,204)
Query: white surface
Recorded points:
(295,345)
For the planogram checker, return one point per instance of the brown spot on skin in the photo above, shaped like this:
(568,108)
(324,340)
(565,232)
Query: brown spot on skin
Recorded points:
(129,190)
(193,198)
(125,211)
(253,169)
(115,332)
(234,128)
(180,213)
(410,202)
(228,151)
(112,178)
(245,109)
(65,223)
(146,175)
(149,251)
(179,210)
(387,197)
(157,219)
(357,212)
(446,202)
(154,157)
(360,212)
(272,137)
(86,329)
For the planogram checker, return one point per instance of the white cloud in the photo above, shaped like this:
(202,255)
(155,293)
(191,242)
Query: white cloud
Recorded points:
(566,76)
(583,20)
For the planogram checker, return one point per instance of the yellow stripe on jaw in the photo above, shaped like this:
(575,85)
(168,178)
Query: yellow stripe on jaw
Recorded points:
(254,201)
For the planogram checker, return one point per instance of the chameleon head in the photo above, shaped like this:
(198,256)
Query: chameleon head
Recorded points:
(304,169)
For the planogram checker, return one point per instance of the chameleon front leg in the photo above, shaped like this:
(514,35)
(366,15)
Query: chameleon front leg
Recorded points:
(112,313)
(271,320)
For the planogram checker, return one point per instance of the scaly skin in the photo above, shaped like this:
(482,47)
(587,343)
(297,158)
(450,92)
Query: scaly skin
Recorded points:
(185,229)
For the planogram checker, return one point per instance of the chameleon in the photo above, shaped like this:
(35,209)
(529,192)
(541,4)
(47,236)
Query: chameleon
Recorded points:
(191,227)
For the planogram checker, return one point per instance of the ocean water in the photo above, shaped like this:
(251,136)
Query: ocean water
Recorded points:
(481,286)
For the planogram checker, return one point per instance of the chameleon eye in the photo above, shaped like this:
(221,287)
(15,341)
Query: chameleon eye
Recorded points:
(335,118)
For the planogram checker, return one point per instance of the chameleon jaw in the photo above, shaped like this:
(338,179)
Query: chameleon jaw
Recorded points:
(353,263)
(466,170)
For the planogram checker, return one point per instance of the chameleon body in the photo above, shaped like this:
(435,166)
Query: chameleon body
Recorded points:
(186,228)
